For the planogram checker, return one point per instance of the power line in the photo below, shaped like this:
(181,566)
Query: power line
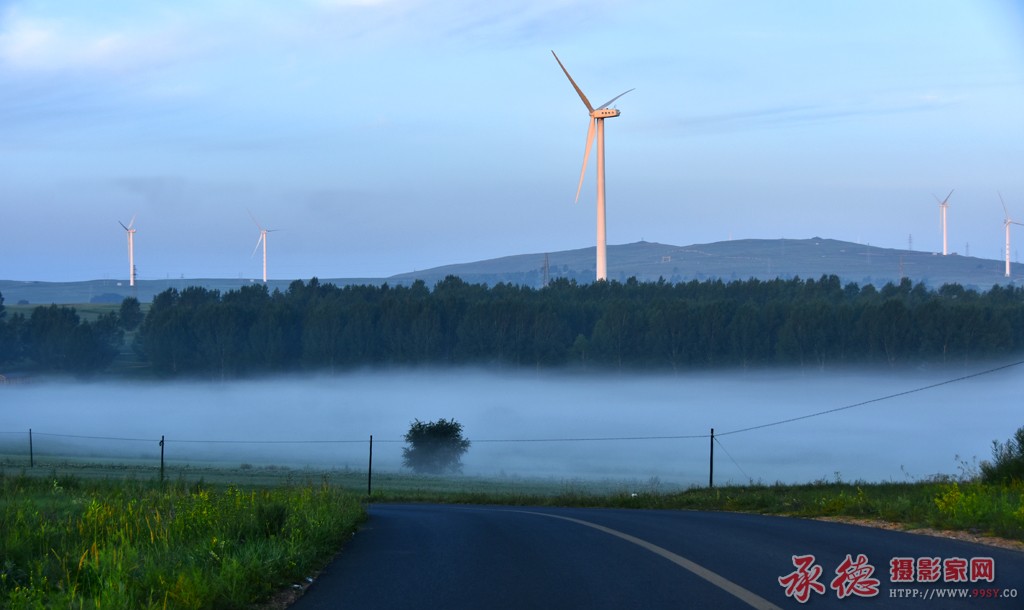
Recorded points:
(602,438)
(737,464)
(96,438)
(251,442)
(873,400)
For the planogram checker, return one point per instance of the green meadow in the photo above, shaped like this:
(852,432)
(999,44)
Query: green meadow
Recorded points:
(93,535)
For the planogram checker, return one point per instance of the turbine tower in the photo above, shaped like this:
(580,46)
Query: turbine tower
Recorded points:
(942,212)
(597,117)
(131,249)
(263,240)
(1006,224)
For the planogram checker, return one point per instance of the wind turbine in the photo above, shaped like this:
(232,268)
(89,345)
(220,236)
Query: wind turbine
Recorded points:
(131,249)
(263,240)
(597,117)
(1006,224)
(942,211)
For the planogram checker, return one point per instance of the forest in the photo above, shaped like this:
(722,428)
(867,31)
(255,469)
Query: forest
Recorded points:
(197,332)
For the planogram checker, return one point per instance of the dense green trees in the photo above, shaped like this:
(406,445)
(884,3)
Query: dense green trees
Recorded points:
(11,346)
(610,324)
(55,338)
(657,325)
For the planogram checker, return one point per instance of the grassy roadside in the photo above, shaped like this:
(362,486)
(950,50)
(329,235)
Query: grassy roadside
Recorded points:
(94,535)
(961,502)
(966,505)
(78,543)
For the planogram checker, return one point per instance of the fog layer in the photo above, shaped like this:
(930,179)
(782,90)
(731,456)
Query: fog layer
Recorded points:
(326,422)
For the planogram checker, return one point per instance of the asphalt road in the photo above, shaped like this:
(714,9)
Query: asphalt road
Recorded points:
(454,557)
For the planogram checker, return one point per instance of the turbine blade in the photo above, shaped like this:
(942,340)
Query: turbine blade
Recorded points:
(946,200)
(942,201)
(260,227)
(609,102)
(131,222)
(1005,213)
(122,225)
(258,242)
(586,157)
(574,85)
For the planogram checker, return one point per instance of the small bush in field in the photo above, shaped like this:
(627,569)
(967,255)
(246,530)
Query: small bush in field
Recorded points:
(434,447)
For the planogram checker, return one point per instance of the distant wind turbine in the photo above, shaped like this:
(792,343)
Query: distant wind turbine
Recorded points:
(263,240)
(131,249)
(1006,224)
(943,204)
(597,117)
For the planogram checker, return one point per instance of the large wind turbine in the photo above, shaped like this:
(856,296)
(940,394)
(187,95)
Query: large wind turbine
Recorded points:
(597,117)
(263,240)
(131,249)
(942,212)
(1006,224)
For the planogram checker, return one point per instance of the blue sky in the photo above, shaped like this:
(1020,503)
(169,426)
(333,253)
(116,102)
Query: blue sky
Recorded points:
(383,136)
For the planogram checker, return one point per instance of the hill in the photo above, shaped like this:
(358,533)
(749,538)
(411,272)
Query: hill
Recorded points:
(647,261)
(733,260)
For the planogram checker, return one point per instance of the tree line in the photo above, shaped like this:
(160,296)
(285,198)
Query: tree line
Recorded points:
(56,338)
(649,325)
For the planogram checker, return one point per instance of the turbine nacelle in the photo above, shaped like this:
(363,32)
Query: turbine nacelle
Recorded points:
(1007,221)
(605,113)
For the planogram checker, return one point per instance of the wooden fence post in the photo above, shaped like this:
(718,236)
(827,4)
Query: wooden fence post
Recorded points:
(369,471)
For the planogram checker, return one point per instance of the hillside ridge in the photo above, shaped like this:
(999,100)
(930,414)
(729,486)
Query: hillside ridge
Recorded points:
(740,259)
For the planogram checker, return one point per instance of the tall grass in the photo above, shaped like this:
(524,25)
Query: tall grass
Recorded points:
(70,543)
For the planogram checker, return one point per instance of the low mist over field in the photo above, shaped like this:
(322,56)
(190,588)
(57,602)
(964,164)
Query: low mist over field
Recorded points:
(603,422)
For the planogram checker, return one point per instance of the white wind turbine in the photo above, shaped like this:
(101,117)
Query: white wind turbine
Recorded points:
(1006,224)
(263,240)
(597,117)
(942,212)
(131,249)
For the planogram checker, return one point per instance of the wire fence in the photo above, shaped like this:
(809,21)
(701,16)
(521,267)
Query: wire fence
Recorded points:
(33,448)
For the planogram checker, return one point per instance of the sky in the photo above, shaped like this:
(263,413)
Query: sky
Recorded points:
(376,137)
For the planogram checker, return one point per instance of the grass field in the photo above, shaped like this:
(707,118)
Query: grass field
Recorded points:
(71,542)
(84,534)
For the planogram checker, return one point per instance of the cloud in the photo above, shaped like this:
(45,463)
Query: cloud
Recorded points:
(785,116)
(45,43)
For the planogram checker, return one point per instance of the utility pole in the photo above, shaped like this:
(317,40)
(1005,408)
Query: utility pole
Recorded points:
(711,470)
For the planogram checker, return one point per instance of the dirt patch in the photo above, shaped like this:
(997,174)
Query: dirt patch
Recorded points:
(284,598)
(1003,543)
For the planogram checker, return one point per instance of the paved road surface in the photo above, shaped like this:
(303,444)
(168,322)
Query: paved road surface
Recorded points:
(455,557)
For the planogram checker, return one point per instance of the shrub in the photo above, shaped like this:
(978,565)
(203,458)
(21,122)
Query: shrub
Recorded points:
(1007,463)
(435,447)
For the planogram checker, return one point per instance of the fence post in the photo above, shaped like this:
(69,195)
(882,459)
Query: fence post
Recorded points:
(711,470)
(369,471)
(31,453)
(161,458)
